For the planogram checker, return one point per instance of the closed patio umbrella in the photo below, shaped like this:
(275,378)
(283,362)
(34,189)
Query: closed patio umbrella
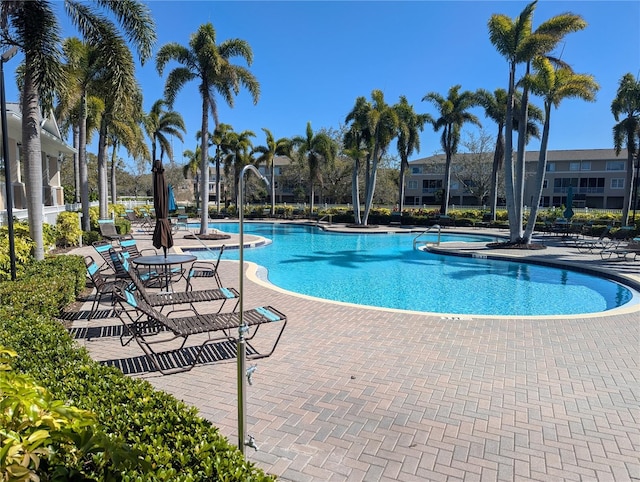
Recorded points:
(162,237)
(568,211)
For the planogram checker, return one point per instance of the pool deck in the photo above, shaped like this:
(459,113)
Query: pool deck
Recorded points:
(366,394)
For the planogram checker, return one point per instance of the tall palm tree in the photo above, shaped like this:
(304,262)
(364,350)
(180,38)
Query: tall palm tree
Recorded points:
(410,124)
(357,145)
(192,168)
(237,148)
(33,26)
(208,63)
(515,40)
(219,139)
(553,85)
(453,115)
(268,152)
(314,149)
(495,108)
(626,133)
(158,124)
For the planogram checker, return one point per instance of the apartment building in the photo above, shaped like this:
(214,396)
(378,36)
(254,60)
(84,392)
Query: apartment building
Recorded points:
(596,176)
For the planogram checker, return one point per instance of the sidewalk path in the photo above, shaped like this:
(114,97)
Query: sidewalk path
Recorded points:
(361,394)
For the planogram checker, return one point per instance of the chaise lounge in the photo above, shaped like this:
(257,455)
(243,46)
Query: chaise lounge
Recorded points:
(149,327)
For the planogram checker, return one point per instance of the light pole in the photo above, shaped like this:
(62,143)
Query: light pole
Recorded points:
(6,56)
(242,329)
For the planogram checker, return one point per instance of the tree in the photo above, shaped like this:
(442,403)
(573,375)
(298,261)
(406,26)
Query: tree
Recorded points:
(76,100)
(474,169)
(495,108)
(314,149)
(219,139)
(514,40)
(33,27)
(158,124)
(453,114)
(237,148)
(357,146)
(192,168)
(409,126)
(210,65)
(268,152)
(553,85)
(626,133)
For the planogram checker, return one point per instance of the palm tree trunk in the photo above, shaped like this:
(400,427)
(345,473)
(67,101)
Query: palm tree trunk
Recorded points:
(521,159)
(629,181)
(103,197)
(76,165)
(539,180)
(114,161)
(355,192)
(218,179)
(444,203)
(204,169)
(33,158)
(498,158)
(273,188)
(403,167)
(83,168)
(370,186)
(508,160)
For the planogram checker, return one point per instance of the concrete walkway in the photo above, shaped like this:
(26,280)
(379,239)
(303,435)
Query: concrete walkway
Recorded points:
(362,394)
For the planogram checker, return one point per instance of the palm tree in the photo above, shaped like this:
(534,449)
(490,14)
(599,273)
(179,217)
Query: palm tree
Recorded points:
(626,111)
(191,169)
(514,40)
(273,148)
(410,124)
(160,123)
(357,145)
(210,64)
(495,108)
(219,139)
(554,85)
(453,114)
(236,148)
(33,27)
(314,149)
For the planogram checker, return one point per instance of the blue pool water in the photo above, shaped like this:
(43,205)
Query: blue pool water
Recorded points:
(384,270)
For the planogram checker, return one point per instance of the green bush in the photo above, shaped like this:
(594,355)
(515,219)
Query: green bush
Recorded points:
(177,444)
(68,227)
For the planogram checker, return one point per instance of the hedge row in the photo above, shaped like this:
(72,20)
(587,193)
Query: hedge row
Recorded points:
(177,444)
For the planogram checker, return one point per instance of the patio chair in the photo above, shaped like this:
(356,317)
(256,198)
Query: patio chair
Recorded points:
(102,247)
(162,299)
(205,269)
(150,327)
(129,244)
(108,229)
(623,250)
(103,286)
(595,244)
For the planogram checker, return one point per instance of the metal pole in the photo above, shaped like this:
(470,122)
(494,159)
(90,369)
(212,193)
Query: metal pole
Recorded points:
(242,329)
(7,163)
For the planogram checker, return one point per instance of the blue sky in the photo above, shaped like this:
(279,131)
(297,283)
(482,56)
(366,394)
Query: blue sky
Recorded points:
(313,59)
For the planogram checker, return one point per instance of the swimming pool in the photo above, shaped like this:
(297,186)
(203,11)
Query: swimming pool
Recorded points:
(384,270)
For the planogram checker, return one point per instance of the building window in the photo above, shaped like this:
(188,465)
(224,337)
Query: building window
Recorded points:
(551,167)
(617,183)
(545,184)
(585,166)
(416,170)
(412,184)
(615,165)
(574,166)
(591,185)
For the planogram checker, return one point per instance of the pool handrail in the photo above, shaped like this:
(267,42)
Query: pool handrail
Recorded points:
(415,240)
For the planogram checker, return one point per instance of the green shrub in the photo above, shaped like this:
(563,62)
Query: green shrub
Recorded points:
(177,444)
(68,227)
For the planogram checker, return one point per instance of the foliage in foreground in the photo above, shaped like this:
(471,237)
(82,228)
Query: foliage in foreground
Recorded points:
(177,445)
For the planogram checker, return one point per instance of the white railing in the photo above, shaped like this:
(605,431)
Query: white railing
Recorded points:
(429,229)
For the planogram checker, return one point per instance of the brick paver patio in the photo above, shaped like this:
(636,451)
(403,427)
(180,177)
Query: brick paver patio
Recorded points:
(360,394)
